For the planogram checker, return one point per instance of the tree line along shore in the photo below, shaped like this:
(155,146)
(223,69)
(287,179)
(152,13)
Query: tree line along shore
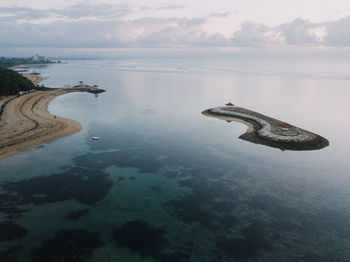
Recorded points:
(12,83)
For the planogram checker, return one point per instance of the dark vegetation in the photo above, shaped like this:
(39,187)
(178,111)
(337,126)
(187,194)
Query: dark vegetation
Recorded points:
(43,88)
(11,82)
(14,61)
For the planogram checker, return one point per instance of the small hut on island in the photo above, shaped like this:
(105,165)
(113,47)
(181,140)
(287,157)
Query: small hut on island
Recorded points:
(285,126)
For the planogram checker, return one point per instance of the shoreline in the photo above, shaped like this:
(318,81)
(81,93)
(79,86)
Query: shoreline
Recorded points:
(35,79)
(268,131)
(25,121)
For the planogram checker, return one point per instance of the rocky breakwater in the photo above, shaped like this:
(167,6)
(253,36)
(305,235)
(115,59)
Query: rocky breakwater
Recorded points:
(269,131)
(86,88)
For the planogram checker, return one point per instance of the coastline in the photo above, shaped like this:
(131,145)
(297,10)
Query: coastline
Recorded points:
(35,79)
(25,121)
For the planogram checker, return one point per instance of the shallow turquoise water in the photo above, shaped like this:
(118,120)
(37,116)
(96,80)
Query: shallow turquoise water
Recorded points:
(165,183)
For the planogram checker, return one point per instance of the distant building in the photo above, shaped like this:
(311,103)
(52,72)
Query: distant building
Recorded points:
(38,58)
(230,104)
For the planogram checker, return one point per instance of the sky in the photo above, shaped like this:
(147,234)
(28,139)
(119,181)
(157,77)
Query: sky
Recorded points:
(174,24)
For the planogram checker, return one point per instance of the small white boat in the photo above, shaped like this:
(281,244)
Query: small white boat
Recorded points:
(95,138)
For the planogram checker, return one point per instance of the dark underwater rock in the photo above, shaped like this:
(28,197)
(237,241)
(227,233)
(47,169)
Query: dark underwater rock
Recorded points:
(68,246)
(84,185)
(10,231)
(141,237)
(75,215)
(10,254)
(247,248)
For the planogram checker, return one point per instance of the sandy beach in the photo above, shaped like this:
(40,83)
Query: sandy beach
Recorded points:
(25,121)
(36,79)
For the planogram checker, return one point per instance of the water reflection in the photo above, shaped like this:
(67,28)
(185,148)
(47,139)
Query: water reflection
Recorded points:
(164,177)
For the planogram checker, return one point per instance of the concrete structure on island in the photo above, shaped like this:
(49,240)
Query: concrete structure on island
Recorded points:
(86,88)
(269,131)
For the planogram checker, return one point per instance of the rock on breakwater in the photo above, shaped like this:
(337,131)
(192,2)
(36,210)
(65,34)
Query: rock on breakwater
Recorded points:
(269,131)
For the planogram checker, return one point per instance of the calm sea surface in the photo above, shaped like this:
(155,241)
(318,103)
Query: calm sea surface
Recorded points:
(166,183)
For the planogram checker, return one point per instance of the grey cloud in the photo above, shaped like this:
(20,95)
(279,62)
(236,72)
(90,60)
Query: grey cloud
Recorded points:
(181,21)
(106,26)
(106,11)
(145,8)
(17,13)
(167,7)
(219,15)
(251,34)
(171,7)
(64,34)
(170,32)
(338,33)
(157,32)
(101,11)
(297,32)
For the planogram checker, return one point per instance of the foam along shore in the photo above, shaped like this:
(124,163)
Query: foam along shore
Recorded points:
(25,121)
(269,131)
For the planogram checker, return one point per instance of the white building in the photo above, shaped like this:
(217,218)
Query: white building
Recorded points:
(37,58)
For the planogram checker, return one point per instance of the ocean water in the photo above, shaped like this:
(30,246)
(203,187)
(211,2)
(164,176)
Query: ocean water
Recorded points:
(166,183)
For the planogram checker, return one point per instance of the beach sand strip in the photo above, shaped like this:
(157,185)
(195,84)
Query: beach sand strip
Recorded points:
(25,121)
(35,79)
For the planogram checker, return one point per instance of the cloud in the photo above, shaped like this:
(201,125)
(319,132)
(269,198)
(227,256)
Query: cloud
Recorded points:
(73,12)
(162,8)
(338,33)
(219,15)
(109,25)
(12,14)
(171,7)
(145,32)
(171,32)
(251,34)
(105,11)
(299,32)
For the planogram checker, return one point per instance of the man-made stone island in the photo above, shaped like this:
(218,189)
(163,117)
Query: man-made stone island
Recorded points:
(269,131)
